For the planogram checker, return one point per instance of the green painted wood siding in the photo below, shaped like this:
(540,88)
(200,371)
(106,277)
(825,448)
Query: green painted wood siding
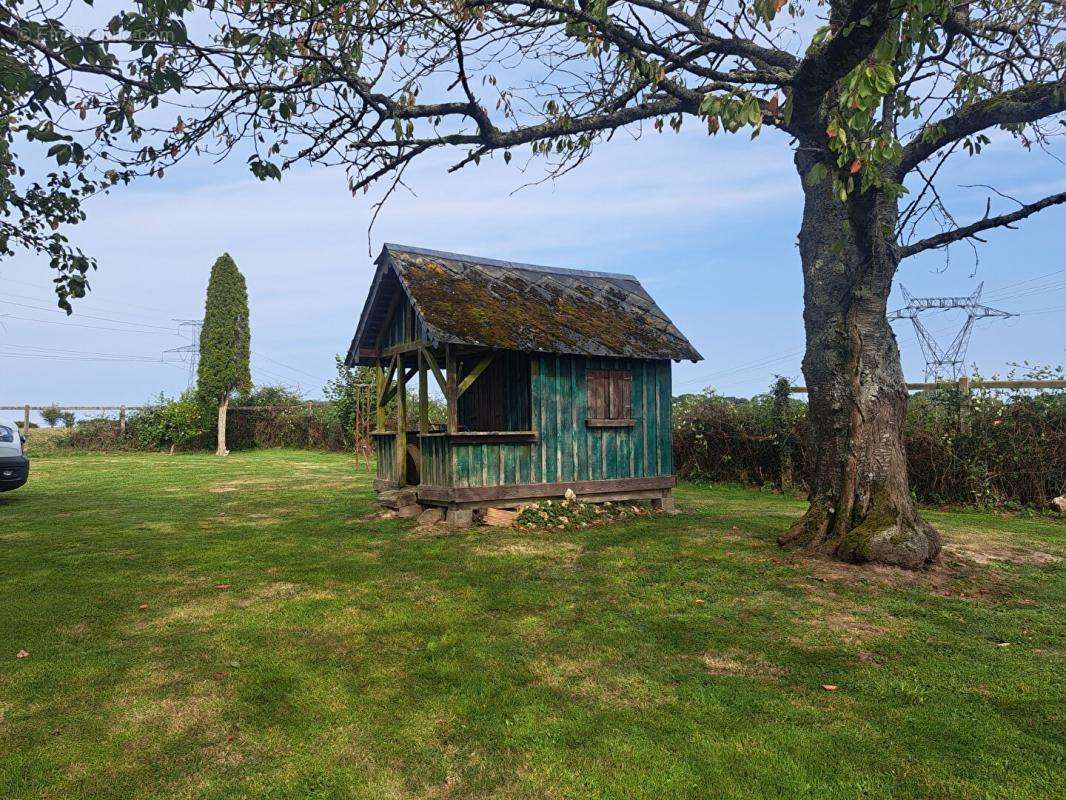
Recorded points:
(568,450)
(436,460)
(385,451)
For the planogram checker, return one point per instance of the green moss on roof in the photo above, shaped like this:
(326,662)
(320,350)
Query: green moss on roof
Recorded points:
(517,307)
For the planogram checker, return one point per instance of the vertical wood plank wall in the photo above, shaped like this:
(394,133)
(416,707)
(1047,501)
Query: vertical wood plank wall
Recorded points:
(568,450)
(402,327)
(499,399)
(436,461)
(385,451)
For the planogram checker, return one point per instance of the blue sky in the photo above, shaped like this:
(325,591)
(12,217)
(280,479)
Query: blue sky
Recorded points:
(708,224)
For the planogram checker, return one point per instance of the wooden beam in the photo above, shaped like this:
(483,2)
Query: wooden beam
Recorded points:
(423,394)
(391,373)
(401,424)
(407,375)
(385,390)
(530,491)
(468,381)
(451,388)
(433,366)
(404,347)
(379,394)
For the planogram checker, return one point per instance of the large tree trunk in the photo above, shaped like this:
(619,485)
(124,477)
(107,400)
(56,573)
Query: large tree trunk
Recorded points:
(861,507)
(223,408)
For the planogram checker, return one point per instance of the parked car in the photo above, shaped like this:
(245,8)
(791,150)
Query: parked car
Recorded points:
(14,466)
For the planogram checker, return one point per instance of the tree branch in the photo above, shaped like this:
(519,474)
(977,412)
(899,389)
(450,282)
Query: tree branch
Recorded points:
(851,43)
(984,224)
(1025,104)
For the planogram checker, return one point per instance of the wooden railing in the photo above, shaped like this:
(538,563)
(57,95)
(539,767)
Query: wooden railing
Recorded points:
(26,409)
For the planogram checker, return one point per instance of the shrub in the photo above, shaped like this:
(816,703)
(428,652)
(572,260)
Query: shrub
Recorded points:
(100,433)
(731,439)
(170,423)
(346,394)
(51,415)
(1007,449)
(68,419)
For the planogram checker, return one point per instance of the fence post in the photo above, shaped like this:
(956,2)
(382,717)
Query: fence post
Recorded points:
(122,420)
(964,404)
(26,420)
(310,416)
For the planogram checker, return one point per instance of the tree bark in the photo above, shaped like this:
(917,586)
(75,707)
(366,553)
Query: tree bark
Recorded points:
(223,407)
(861,508)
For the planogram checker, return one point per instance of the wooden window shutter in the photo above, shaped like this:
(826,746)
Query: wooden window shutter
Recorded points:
(621,394)
(599,391)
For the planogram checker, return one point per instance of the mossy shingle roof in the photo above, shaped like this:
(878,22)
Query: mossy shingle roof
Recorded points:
(500,304)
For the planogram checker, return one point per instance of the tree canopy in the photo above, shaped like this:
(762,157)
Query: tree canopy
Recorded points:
(225,340)
(881,92)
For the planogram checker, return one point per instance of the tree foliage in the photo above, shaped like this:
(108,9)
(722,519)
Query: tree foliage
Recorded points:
(69,95)
(225,339)
(877,92)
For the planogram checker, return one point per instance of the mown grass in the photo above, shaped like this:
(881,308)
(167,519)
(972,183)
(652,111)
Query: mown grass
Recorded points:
(674,657)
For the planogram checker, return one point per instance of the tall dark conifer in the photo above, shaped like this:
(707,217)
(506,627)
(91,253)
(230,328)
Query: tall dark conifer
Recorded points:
(225,342)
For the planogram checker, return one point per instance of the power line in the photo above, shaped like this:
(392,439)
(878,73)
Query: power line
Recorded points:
(90,316)
(89,327)
(121,312)
(1044,288)
(41,288)
(257,354)
(996,291)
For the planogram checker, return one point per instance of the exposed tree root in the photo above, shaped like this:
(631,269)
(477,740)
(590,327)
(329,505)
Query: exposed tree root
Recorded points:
(885,535)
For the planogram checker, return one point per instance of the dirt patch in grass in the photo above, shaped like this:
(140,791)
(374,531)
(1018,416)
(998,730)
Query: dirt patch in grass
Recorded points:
(738,664)
(984,551)
(271,591)
(158,527)
(554,550)
(847,627)
(950,576)
(194,610)
(596,680)
(244,483)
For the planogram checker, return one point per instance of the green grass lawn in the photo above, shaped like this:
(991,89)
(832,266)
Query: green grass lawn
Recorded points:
(292,648)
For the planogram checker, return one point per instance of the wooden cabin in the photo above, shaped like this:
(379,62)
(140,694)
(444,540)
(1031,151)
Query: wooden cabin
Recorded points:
(554,379)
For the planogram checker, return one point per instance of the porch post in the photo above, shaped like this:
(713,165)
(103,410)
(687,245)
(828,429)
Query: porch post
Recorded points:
(451,392)
(379,384)
(401,423)
(423,395)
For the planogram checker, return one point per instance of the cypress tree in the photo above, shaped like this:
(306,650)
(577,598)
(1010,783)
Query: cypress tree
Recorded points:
(225,342)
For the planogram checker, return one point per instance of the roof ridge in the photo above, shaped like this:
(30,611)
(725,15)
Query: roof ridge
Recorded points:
(493,262)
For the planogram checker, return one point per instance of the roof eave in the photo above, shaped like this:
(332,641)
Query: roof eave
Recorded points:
(352,359)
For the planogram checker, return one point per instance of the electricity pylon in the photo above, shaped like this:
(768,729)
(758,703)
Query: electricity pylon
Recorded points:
(950,361)
(189,353)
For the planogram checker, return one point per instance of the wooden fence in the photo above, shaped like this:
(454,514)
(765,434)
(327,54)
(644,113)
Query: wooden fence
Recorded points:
(966,386)
(26,409)
(361,433)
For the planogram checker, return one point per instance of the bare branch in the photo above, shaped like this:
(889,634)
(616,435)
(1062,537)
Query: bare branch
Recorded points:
(984,224)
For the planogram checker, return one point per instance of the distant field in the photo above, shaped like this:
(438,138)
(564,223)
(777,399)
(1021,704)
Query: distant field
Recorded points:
(289,647)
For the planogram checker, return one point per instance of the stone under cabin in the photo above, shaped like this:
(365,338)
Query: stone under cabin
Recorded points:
(553,379)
